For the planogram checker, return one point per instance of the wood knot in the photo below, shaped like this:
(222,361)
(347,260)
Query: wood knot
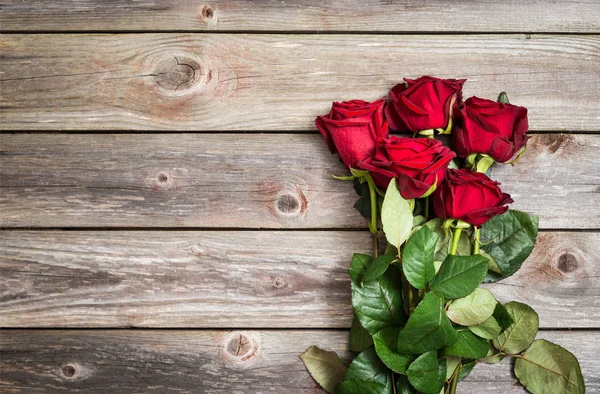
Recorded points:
(178,73)
(162,181)
(240,348)
(278,282)
(207,13)
(567,262)
(69,371)
(289,203)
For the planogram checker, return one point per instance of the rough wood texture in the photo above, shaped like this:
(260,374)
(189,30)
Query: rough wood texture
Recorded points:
(252,181)
(237,362)
(278,82)
(244,279)
(354,15)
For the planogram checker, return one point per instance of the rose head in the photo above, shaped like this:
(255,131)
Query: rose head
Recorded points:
(352,127)
(469,196)
(423,103)
(418,164)
(485,126)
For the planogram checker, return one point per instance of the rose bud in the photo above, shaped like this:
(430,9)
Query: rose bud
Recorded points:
(424,103)
(488,127)
(418,164)
(469,196)
(351,129)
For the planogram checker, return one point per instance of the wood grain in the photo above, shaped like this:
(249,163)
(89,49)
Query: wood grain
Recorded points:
(278,82)
(247,181)
(244,279)
(350,15)
(135,361)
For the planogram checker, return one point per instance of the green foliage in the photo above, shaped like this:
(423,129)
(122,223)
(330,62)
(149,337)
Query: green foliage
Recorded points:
(519,335)
(547,368)
(403,386)
(459,276)
(489,329)
(367,367)
(396,216)
(473,309)
(361,387)
(377,303)
(325,367)
(377,267)
(417,257)
(386,346)
(509,239)
(360,339)
(428,328)
(467,346)
(427,373)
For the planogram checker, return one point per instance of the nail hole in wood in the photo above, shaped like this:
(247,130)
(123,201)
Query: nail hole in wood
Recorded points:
(278,283)
(162,178)
(567,262)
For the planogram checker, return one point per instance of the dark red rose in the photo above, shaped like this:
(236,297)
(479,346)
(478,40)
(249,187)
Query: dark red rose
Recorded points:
(417,163)
(485,126)
(351,129)
(469,196)
(423,103)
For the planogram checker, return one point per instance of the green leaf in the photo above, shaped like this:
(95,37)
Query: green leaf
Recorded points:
(417,258)
(428,328)
(465,371)
(548,368)
(377,267)
(473,309)
(360,387)
(519,335)
(368,367)
(427,374)
(377,303)
(467,346)
(451,364)
(489,329)
(360,339)
(386,346)
(325,367)
(363,204)
(459,275)
(502,316)
(396,216)
(509,238)
(403,386)
(358,267)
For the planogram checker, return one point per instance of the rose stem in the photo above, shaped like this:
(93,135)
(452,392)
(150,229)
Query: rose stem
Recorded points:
(476,241)
(427,208)
(373,196)
(455,239)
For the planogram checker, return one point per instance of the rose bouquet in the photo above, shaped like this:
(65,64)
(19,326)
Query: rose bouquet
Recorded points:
(440,228)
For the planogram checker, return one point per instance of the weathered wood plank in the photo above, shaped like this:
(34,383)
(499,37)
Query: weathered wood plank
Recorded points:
(353,15)
(121,361)
(278,82)
(251,181)
(244,279)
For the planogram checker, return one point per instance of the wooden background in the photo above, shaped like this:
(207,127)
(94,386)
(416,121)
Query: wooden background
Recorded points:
(169,222)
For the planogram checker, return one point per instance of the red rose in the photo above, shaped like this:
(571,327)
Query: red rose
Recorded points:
(418,164)
(352,127)
(423,103)
(469,196)
(485,126)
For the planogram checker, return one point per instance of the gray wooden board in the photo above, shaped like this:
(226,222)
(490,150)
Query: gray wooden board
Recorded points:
(278,82)
(240,279)
(141,361)
(349,15)
(247,180)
